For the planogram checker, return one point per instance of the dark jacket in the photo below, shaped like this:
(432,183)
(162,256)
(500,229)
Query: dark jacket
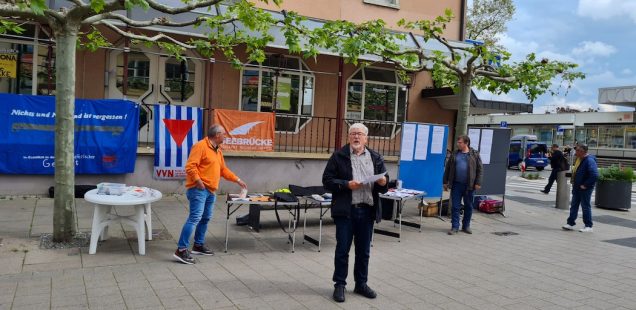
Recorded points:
(337,175)
(586,174)
(557,161)
(475,169)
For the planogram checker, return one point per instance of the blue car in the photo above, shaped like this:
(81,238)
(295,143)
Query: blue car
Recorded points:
(533,153)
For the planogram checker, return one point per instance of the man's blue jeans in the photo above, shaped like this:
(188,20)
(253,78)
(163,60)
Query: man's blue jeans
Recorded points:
(358,228)
(460,191)
(583,198)
(201,210)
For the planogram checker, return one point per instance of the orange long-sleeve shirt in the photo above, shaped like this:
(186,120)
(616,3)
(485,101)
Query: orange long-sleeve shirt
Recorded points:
(208,165)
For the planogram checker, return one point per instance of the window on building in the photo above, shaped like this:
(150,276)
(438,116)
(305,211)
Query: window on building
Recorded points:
(388,3)
(568,137)
(580,136)
(179,79)
(46,70)
(377,98)
(611,136)
(630,137)
(521,131)
(544,135)
(591,135)
(27,66)
(137,72)
(273,87)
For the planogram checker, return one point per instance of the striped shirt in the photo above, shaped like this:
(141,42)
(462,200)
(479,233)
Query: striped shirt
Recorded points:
(362,166)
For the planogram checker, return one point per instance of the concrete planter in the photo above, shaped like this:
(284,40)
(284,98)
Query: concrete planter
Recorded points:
(613,195)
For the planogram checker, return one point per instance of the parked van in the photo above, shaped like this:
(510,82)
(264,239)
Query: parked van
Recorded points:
(526,148)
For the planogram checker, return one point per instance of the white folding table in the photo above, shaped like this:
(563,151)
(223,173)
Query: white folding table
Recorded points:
(102,216)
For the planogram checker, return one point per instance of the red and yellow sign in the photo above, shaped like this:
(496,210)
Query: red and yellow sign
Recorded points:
(8,65)
(246,131)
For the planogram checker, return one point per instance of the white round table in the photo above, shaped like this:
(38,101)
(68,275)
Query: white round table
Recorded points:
(102,216)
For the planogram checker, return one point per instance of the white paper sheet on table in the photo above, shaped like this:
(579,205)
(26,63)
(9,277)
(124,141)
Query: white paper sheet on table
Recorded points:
(473,135)
(437,142)
(421,144)
(485,146)
(408,142)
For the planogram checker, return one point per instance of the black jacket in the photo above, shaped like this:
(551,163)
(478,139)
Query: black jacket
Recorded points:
(475,169)
(337,175)
(557,161)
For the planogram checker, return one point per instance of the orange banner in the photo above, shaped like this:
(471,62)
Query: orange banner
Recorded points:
(246,131)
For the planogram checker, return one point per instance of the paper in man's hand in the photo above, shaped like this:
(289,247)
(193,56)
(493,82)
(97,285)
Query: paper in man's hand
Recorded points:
(372,178)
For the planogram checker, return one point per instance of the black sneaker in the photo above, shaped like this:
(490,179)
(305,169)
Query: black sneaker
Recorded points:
(201,250)
(183,257)
(365,291)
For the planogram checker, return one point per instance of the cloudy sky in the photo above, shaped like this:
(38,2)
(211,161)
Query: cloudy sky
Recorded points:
(599,35)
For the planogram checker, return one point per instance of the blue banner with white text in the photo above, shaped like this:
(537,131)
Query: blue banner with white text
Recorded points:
(105,135)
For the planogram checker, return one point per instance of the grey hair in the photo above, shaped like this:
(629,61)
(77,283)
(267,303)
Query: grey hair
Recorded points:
(215,130)
(359,126)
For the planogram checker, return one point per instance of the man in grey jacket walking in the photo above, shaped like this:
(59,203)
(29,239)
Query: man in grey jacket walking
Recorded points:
(463,173)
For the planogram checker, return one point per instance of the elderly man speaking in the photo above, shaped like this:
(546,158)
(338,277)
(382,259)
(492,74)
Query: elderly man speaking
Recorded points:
(355,206)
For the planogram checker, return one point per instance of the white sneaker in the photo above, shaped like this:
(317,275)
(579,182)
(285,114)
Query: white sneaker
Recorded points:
(586,229)
(567,227)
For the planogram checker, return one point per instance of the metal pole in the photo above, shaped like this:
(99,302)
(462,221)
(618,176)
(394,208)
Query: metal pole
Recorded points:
(563,191)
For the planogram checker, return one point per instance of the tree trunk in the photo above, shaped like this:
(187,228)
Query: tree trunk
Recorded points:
(461,128)
(63,211)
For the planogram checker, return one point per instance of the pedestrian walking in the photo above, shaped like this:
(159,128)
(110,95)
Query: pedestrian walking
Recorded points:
(558,163)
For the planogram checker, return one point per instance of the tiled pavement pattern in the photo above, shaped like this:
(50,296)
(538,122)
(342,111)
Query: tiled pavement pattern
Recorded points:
(542,267)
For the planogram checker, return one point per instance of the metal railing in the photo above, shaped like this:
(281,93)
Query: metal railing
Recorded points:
(311,134)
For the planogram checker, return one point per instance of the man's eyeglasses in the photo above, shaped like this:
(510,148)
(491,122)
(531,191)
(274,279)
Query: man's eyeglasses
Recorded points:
(357,134)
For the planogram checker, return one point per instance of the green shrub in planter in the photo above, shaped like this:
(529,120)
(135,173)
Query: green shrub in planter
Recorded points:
(614,187)
(615,173)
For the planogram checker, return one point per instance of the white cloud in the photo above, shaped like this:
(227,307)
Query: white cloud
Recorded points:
(519,50)
(556,102)
(556,56)
(607,9)
(486,95)
(593,48)
(608,108)
(627,71)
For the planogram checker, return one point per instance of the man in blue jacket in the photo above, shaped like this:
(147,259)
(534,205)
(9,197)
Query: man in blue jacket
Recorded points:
(584,175)
(354,207)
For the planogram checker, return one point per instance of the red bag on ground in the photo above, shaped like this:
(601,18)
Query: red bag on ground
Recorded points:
(491,206)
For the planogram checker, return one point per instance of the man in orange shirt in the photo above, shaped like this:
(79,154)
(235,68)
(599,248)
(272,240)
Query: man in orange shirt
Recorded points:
(204,169)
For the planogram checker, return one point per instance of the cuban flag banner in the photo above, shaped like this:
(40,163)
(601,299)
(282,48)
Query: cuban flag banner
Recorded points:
(177,128)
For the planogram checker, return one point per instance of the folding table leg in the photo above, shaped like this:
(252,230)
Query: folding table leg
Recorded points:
(96,229)
(320,229)
(305,224)
(105,214)
(141,234)
(227,225)
(148,218)
(399,207)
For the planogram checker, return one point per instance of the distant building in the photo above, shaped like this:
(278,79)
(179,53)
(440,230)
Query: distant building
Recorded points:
(612,130)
